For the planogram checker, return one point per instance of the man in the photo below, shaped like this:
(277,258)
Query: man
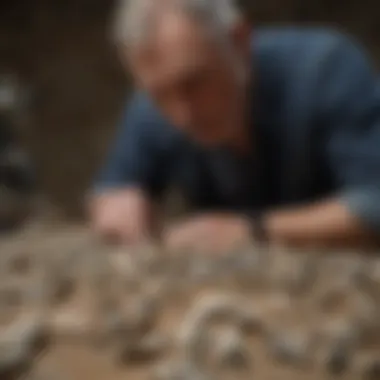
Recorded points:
(273,132)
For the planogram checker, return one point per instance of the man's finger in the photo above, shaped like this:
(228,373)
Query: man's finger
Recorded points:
(177,238)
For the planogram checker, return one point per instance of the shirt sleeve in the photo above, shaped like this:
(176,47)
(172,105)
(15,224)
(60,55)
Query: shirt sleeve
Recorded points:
(135,157)
(350,105)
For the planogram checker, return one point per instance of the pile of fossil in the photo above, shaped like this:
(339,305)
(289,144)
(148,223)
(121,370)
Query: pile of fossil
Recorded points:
(186,316)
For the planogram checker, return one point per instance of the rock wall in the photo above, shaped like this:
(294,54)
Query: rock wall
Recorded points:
(60,51)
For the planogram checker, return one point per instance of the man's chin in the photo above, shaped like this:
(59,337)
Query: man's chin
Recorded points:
(208,141)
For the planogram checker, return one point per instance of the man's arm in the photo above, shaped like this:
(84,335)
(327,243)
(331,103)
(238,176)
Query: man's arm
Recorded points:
(350,108)
(121,204)
(328,223)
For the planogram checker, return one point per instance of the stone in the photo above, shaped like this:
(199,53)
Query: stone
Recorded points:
(20,343)
(340,332)
(155,342)
(251,267)
(142,313)
(179,370)
(197,346)
(208,309)
(275,308)
(365,313)
(71,324)
(229,350)
(20,264)
(194,332)
(144,351)
(64,287)
(12,294)
(38,293)
(290,347)
(339,339)
(14,362)
(215,307)
(370,367)
(129,325)
(329,298)
(158,288)
(112,326)
(278,303)
(292,272)
(248,260)
(350,268)
(122,263)
(97,270)
(373,275)
(251,321)
(352,303)
(32,330)
(52,283)
(114,323)
(338,358)
(202,269)
(373,371)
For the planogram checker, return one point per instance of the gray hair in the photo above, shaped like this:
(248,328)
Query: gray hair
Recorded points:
(134,18)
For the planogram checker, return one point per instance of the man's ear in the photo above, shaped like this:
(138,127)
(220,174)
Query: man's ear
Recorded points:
(241,36)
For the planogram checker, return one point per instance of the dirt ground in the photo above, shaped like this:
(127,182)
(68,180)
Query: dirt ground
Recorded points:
(72,308)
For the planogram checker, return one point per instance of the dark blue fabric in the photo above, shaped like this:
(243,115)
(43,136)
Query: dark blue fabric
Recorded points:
(315,119)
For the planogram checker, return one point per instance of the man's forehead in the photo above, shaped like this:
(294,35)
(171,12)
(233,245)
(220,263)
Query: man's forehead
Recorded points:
(178,45)
(181,60)
(169,70)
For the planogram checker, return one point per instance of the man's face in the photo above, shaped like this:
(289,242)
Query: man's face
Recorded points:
(191,80)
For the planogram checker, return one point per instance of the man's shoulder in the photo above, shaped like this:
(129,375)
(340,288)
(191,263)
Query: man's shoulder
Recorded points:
(146,118)
(141,106)
(289,53)
(293,64)
(302,40)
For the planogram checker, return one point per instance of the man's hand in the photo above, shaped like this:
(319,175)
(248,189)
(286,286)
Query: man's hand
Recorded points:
(211,233)
(122,216)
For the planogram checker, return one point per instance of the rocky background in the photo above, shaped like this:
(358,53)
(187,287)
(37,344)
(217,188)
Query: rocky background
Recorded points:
(60,52)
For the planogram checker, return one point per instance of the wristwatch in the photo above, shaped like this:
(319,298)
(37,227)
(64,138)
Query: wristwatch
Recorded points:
(258,228)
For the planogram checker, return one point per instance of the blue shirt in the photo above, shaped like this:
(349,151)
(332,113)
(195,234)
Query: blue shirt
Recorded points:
(316,120)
